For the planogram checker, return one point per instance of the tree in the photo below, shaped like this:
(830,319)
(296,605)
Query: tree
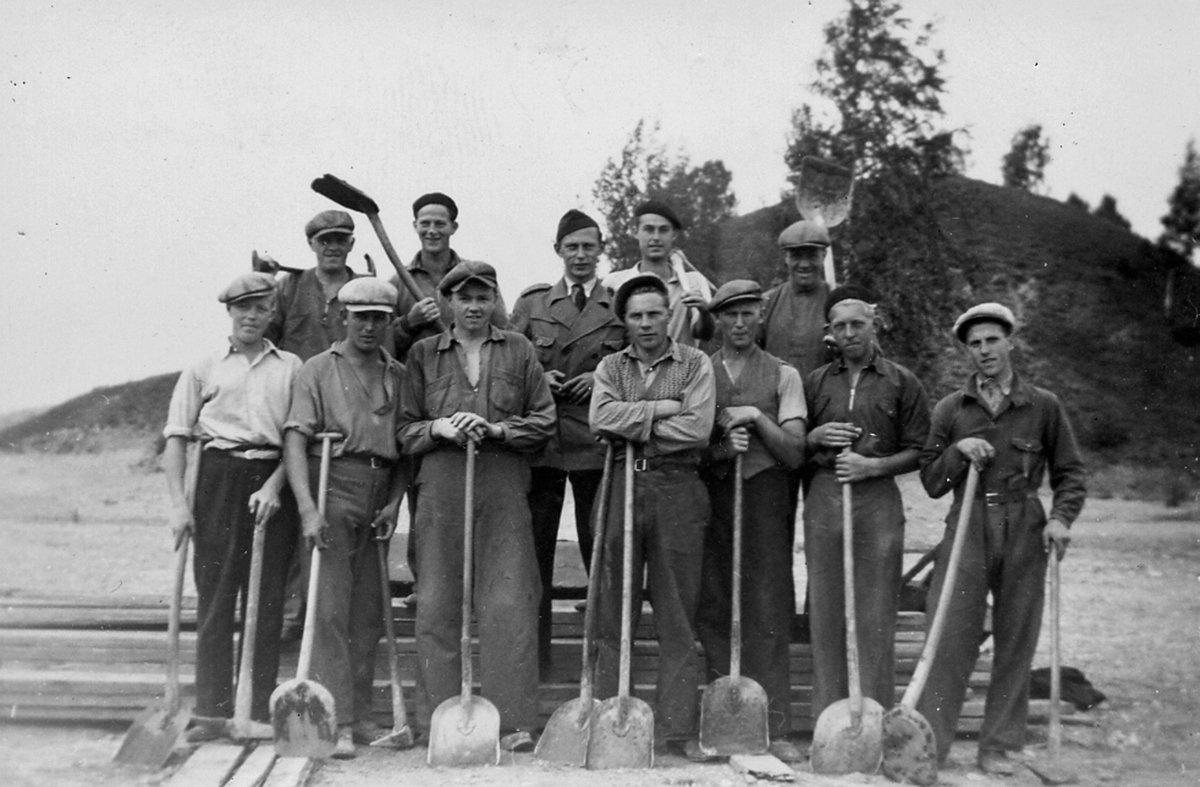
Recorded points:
(1107,210)
(1024,165)
(1182,222)
(1076,201)
(885,86)
(646,170)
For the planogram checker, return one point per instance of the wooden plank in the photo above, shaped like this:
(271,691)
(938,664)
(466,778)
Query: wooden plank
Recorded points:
(209,766)
(762,766)
(291,772)
(255,768)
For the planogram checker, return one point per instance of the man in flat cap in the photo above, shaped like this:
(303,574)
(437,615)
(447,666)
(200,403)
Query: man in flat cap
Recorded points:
(353,389)
(761,418)
(572,324)
(658,227)
(474,382)
(236,399)
(1015,433)
(658,394)
(868,419)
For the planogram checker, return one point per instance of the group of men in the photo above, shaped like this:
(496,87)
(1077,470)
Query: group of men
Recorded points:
(798,390)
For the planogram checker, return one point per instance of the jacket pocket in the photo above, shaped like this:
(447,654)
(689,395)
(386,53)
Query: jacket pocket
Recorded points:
(1030,452)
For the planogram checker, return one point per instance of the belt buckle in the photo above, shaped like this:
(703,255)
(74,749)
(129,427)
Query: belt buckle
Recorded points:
(376,463)
(640,465)
(991,498)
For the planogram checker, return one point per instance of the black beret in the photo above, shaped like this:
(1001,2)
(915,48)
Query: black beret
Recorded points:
(573,221)
(847,292)
(643,282)
(436,198)
(659,208)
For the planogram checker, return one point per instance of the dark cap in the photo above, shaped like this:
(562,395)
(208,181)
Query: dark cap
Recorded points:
(984,312)
(659,208)
(644,282)
(467,271)
(804,233)
(368,294)
(573,221)
(248,285)
(736,291)
(328,221)
(848,292)
(436,198)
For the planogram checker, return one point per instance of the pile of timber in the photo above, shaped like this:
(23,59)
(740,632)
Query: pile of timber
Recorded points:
(102,660)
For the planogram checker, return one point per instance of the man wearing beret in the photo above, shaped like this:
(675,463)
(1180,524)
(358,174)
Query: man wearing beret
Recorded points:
(353,389)
(474,382)
(760,416)
(658,227)
(1015,433)
(572,324)
(658,394)
(868,419)
(237,400)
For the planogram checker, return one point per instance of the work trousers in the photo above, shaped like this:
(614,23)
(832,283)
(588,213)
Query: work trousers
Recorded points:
(547,490)
(878,557)
(670,515)
(349,614)
(768,595)
(1002,555)
(224,536)
(506,584)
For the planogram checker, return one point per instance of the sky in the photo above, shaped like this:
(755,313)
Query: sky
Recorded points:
(150,147)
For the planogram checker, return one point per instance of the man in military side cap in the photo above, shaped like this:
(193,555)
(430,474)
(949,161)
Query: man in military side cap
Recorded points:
(353,389)
(572,325)
(236,399)
(1015,433)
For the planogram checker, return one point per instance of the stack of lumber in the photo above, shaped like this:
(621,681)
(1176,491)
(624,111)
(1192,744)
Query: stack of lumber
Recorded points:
(103,660)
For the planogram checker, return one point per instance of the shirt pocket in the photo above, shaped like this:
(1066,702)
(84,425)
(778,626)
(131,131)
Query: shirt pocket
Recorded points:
(504,394)
(441,398)
(1030,452)
(545,349)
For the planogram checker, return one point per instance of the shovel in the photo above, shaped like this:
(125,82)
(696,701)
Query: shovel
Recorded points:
(353,199)
(465,730)
(824,192)
(565,739)
(401,736)
(623,726)
(846,738)
(241,727)
(1049,769)
(733,710)
(153,734)
(909,748)
(302,711)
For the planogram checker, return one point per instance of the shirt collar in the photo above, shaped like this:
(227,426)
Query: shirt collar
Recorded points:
(446,338)
(588,285)
(673,352)
(417,263)
(268,347)
(1018,390)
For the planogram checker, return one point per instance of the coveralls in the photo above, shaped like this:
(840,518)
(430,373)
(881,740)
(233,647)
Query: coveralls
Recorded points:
(1003,553)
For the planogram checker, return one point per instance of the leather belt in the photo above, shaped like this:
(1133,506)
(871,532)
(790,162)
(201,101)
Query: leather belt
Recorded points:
(371,460)
(643,464)
(1004,497)
(269,453)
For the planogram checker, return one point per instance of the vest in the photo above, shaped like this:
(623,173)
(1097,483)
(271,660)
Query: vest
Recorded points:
(757,386)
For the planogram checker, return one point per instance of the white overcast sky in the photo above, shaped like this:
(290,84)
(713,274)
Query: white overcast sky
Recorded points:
(147,147)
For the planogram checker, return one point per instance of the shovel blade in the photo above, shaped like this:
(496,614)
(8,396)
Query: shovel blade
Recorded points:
(303,717)
(824,191)
(565,739)
(841,746)
(733,718)
(464,732)
(622,735)
(909,748)
(151,737)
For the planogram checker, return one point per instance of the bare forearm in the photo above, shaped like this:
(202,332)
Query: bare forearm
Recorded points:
(295,460)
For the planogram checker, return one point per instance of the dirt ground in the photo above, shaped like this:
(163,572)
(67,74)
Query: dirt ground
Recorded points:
(93,524)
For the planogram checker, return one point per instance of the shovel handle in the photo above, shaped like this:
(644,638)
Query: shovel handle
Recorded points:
(399,713)
(853,676)
(190,482)
(593,592)
(314,572)
(1054,740)
(921,673)
(626,578)
(735,623)
(405,277)
(468,570)
(245,684)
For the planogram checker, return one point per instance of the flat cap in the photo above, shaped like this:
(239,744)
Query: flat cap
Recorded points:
(368,294)
(735,291)
(646,281)
(804,233)
(467,271)
(659,208)
(328,221)
(574,221)
(248,285)
(436,198)
(984,312)
(848,292)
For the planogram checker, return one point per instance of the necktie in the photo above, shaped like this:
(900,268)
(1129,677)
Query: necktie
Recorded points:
(578,296)
(992,395)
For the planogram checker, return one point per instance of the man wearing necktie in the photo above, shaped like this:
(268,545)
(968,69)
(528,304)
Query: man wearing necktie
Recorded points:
(572,324)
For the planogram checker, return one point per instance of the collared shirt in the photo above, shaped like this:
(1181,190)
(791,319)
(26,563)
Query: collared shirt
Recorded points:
(233,400)
(511,391)
(793,327)
(588,285)
(427,282)
(305,321)
(890,406)
(679,328)
(623,403)
(332,395)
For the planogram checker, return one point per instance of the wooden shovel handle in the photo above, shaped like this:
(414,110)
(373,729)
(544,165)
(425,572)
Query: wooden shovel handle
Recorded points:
(406,278)
(735,623)
(314,571)
(399,712)
(627,579)
(594,569)
(468,570)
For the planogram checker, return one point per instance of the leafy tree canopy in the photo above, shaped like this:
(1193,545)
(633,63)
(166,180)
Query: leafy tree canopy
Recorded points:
(1024,165)
(1181,225)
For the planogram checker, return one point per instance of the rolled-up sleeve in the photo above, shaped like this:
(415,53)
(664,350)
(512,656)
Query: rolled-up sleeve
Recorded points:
(306,414)
(186,401)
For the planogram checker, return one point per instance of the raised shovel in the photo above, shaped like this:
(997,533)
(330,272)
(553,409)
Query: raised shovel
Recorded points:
(733,709)
(302,711)
(824,191)
(465,730)
(909,747)
(241,727)
(565,739)
(623,726)
(401,736)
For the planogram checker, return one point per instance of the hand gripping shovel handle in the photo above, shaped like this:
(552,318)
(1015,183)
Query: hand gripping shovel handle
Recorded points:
(468,571)
(921,674)
(310,614)
(735,623)
(589,613)
(627,579)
